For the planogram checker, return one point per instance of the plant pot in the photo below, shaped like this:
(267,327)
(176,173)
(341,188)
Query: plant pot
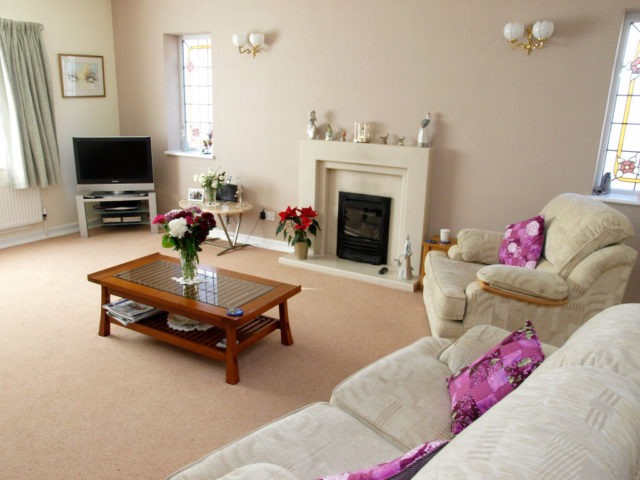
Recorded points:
(301,249)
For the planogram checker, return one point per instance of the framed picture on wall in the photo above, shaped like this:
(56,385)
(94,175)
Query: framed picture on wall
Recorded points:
(81,75)
(196,195)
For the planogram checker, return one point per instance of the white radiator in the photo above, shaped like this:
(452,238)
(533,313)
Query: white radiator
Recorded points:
(19,207)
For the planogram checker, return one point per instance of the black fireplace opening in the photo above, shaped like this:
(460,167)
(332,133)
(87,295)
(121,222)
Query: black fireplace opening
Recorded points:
(363,227)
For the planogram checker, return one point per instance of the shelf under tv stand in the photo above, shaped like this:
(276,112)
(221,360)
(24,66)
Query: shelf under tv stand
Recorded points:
(147,213)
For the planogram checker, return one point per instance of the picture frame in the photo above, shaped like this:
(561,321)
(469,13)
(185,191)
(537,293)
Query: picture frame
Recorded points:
(196,195)
(81,75)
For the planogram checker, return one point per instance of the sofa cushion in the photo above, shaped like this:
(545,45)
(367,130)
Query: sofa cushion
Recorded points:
(577,225)
(524,281)
(522,243)
(259,471)
(570,423)
(474,342)
(316,440)
(403,396)
(491,377)
(445,281)
(478,246)
(610,340)
(401,468)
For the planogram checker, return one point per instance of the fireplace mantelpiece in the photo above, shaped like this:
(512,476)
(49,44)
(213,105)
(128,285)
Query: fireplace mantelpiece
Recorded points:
(402,173)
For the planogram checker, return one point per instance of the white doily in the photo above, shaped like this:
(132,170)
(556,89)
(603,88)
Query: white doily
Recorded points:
(185,324)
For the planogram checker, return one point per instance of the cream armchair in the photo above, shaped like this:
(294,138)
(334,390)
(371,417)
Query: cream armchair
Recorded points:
(584,268)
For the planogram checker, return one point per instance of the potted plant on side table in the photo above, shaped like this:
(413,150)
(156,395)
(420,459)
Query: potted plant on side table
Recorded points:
(295,225)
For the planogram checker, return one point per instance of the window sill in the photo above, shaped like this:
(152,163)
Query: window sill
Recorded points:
(620,198)
(190,154)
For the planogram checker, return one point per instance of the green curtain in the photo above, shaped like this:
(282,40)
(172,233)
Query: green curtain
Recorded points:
(30,79)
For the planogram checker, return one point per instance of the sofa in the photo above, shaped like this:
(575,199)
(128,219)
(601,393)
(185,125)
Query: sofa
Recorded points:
(583,267)
(577,416)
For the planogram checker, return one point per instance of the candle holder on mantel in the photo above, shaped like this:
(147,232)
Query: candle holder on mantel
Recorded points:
(361,132)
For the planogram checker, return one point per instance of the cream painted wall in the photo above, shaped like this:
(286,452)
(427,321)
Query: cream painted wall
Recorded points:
(80,27)
(509,131)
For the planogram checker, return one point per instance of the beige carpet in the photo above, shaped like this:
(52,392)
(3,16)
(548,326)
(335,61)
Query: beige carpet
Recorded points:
(74,405)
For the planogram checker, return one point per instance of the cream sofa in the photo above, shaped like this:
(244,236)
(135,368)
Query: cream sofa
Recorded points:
(584,268)
(576,417)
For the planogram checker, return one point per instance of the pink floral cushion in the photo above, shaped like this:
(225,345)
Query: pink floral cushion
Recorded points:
(492,376)
(522,244)
(402,468)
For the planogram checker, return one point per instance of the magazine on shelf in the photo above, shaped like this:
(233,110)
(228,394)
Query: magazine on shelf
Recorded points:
(128,311)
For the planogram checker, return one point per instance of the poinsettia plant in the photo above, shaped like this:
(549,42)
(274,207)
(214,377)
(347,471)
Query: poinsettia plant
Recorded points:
(296,223)
(186,229)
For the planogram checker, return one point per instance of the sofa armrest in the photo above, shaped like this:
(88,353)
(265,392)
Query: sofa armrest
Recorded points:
(525,284)
(479,246)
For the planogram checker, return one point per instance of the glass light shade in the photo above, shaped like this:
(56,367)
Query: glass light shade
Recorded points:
(239,39)
(256,39)
(542,30)
(513,31)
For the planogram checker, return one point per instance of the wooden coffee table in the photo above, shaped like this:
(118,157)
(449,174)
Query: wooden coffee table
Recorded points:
(148,280)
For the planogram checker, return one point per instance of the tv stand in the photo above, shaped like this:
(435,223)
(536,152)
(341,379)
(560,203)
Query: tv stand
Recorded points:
(105,205)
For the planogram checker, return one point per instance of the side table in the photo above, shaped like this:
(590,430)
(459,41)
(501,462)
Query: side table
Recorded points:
(224,208)
(427,247)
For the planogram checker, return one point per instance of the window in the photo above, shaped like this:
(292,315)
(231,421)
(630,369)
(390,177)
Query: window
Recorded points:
(620,145)
(196,92)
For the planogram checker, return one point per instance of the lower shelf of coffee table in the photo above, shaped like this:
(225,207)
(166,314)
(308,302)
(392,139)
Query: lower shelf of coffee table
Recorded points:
(203,342)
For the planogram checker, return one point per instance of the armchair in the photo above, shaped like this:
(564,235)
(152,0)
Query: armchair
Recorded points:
(583,269)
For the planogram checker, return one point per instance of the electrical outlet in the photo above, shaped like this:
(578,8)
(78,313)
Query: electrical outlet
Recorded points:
(271,216)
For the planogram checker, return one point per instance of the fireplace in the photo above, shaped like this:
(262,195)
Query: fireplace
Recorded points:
(363,227)
(401,173)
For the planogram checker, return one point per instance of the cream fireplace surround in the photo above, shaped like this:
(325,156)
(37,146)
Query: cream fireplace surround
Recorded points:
(399,172)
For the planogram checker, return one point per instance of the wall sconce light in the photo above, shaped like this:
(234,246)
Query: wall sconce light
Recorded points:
(540,30)
(255,40)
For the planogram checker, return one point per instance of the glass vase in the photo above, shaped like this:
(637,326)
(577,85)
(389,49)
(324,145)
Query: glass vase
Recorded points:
(189,265)
(211,193)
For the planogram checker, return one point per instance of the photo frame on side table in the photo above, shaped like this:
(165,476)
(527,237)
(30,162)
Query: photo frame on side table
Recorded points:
(196,195)
(81,75)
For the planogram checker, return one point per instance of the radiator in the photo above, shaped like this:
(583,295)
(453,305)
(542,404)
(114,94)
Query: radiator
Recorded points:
(19,207)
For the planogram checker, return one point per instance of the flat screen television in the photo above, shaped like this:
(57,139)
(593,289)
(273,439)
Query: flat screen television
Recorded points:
(113,164)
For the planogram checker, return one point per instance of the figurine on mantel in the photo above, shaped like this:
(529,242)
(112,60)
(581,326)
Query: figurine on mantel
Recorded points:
(329,134)
(423,135)
(312,130)
(344,137)
(384,138)
(401,141)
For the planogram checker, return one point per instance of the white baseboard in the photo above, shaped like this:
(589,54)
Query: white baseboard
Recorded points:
(35,235)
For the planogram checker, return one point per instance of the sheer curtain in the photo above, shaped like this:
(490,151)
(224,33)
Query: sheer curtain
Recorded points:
(26,104)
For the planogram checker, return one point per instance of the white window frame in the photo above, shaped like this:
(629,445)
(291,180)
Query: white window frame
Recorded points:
(616,195)
(183,114)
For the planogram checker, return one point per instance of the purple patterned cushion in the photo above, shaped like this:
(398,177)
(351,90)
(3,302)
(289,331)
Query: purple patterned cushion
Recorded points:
(522,244)
(492,376)
(402,468)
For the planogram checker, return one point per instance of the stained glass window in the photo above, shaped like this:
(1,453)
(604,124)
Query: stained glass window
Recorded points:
(620,149)
(197,106)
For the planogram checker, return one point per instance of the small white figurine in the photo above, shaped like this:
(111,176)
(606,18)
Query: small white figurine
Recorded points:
(404,262)
(406,251)
(312,130)
(423,135)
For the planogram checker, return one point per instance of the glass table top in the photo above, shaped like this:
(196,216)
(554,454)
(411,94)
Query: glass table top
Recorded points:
(215,289)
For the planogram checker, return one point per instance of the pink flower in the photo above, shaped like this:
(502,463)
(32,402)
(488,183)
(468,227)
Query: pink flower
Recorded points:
(635,65)
(158,219)
(627,166)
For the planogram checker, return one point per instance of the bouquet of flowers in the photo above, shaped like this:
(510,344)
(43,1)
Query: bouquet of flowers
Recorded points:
(296,222)
(186,230)
(211,179)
